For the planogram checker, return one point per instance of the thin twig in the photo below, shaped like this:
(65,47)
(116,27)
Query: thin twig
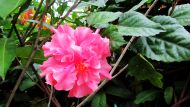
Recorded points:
(27,64)
(88,98)
(15,17)
(120,71)
(35,15)
(181,101)
(173,7)
(50,97)
(76,3)
(185,87)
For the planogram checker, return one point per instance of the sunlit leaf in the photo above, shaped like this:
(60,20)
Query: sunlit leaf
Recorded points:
(7,53)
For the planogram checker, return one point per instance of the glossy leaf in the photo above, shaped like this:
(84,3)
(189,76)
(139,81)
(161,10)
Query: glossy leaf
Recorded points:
(141,69)
(144,96)
(182,14)
(99,100)
(132,23)
(7,53)
(24,52)
(102,18)
(7,6)
(168,94)
(170,46)
(116,39)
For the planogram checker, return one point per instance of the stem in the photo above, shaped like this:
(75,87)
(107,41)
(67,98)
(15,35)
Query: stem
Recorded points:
(76,3)
(50,97)
(173,7)
(27,64)
(185,87)
(88,98)
(181,101)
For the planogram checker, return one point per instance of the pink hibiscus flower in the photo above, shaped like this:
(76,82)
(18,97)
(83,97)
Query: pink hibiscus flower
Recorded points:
(77,60)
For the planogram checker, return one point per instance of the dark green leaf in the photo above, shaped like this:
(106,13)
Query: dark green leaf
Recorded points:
(182,14)
(141,69)
(132,23)
(116,39)
(168,94)
(99,100)
(144,96)
(101,18)
(25,84)
(122,92)
(24,52)
(7,53)
(170,46)
(7,6)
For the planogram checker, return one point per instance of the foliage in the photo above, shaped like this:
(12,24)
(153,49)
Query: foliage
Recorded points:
(157,60)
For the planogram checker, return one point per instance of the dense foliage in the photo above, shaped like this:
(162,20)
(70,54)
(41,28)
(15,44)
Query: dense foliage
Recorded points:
(149,43)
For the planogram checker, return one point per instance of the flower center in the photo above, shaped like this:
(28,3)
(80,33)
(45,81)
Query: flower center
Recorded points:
(80,67)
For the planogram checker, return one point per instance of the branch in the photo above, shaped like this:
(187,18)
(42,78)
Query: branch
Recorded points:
(76,3)
(28,62)
(181,101)
(88,98)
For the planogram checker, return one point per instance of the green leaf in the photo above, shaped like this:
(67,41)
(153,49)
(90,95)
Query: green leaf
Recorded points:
(143,96)
(99,3)
(170,46)
(141,69)
(182,14)
(168,94)
(138,5)
(7,6)
(7,53)
(25,84)
(122,92)
(132,23)
(116,39)
(102,18)
(24,52)
(99,100)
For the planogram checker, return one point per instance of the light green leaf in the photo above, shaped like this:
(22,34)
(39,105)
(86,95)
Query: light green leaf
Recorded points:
(141,69)
(24,52)
(182,14)
(7,6)
(132,23)
(25,84)
(138,5)
(168,94)
(116,39)
(99,100)
(170,46)
(143,96)
(7,53)
(101,18)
